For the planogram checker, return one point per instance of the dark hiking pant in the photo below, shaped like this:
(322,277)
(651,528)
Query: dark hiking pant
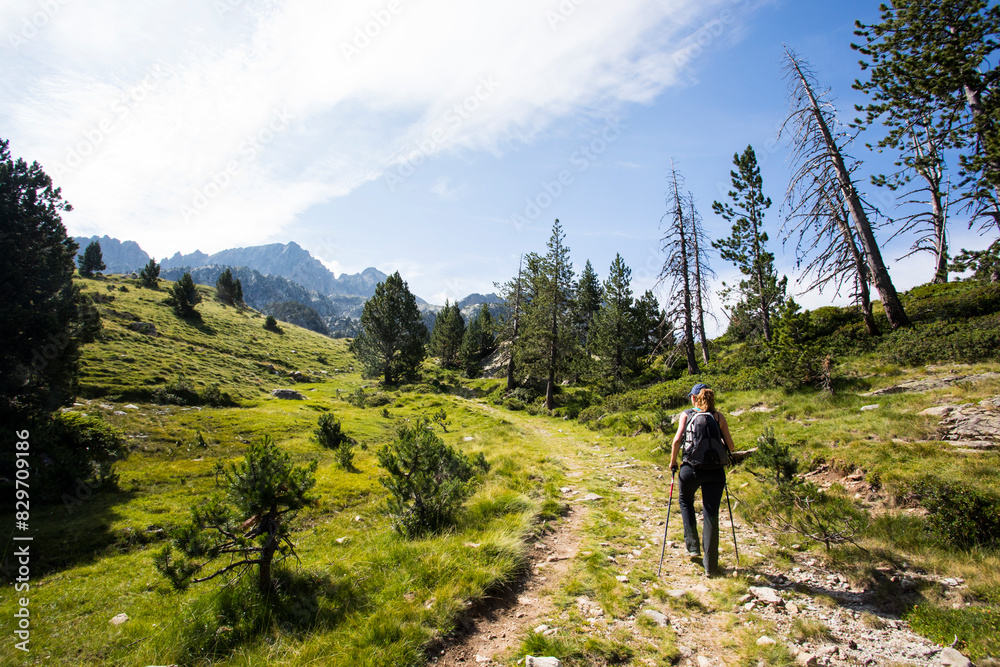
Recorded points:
(712,484)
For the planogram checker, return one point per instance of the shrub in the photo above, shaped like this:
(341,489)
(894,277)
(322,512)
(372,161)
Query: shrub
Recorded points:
(962,516)
(184,297)
(588,415)
(975,631)
(78,448)
(328,434)
(248,523)
(271,324)
(789,504)
(428,480)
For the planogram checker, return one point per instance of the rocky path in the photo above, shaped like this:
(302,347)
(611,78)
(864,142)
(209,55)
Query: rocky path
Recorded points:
(816,612)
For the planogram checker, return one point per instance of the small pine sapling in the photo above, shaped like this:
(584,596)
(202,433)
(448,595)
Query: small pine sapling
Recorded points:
(427,481)
(328,434)
(248,524)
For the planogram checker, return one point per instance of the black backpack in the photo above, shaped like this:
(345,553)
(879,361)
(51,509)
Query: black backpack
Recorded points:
(704,447)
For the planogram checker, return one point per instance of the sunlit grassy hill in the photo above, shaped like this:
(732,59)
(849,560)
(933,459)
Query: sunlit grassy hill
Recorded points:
(362,584)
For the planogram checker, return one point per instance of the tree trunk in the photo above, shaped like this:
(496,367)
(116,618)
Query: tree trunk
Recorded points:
(932,174)
(692,361)
(864,296)
(267,554)
(880,275)
(550,399)
(511,384)
(698,287)
(940,239)
(765,311)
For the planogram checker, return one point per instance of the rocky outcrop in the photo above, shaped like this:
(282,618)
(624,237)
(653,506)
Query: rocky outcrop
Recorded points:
(972,427)
(927,384)
(288,394)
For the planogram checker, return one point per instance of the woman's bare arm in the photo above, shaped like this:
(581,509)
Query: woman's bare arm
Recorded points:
(726,437)
(676,444)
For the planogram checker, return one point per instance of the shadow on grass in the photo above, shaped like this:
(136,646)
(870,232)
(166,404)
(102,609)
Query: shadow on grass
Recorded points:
(239,614)
(75,531)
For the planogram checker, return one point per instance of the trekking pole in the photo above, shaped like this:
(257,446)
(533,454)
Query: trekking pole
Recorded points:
(731,524)
(667,523)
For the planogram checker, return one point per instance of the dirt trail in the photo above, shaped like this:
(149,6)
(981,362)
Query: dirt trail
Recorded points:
(697,609)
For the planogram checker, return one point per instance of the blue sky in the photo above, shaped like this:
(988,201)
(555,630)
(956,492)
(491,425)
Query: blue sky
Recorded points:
(435,137)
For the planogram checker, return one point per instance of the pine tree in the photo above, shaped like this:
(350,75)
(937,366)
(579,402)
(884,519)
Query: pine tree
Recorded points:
(479,341)
(184,296)
(762,292)
(650,323)
(931,70)
(446,338)
(587,302)
(390,342)
(509,329)
(92,260)
(229,289)
(615,330)
(43,316)
(547,340)
(150,274)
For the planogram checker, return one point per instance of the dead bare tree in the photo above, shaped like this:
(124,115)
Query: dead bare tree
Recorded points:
(702,272)
(826,244)
(676,271)
(819,160)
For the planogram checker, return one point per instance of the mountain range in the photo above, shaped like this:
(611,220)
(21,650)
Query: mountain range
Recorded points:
(304,278)
(288,260)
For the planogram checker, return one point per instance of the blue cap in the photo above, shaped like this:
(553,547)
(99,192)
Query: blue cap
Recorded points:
(695,390)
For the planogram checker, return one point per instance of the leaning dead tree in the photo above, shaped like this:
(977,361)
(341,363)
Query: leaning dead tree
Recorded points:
(819,163)
(825,243)
(677,267)
(702,273)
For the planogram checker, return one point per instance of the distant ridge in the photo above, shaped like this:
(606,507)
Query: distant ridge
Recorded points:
(119,256)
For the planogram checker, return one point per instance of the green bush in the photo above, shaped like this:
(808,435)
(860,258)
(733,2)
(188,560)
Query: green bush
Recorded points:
(271,324)
(248,522)
(513,404)
(962,516)
(789,504)
(587,415)
(966,341)
(77,448)
(329,434)
(977,629)
(427,481)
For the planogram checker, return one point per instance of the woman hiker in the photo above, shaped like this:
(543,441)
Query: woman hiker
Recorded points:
(702,465)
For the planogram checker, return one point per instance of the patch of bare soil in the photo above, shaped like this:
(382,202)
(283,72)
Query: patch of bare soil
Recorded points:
(496,625)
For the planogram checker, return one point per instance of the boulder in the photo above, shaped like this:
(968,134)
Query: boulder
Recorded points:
(288,394)
(952,658)
(532,661)
(655,616)
(147,328)
(766,594)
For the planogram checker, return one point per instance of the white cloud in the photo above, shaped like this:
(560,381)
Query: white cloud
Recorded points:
(442,189)
(179,124)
